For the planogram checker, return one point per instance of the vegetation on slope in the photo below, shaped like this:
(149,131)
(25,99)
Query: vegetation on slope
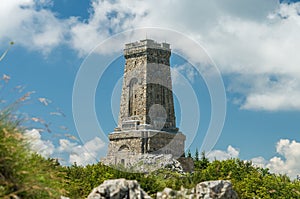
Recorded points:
(28,175)
(23,173)
(247,180)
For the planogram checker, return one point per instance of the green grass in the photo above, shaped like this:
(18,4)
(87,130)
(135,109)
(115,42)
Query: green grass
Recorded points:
(22,172)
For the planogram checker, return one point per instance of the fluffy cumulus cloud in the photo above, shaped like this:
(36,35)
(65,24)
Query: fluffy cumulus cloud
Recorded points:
(231,152)
(253,42)
(67,151)
(286,162)
(107,18)
(82,154)
(259,162)
(30,23)
(37,144)
(264,56)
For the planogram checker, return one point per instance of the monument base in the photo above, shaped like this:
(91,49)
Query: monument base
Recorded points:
(125,146)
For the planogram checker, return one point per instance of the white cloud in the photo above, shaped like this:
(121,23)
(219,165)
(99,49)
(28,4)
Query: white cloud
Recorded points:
(31,24)
(108,18)
(82,154)
(186,69)
(259,162)
(271,101)
(258,51)
(42,147)
(266,91)
(287,161)
(223,155)
(88,153)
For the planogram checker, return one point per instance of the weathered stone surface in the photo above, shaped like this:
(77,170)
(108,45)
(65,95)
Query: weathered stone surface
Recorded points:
(149,162)
(219,189)
(168,193)
(187,164)
(118,189)
(147,82)
(125,147)
(145,163)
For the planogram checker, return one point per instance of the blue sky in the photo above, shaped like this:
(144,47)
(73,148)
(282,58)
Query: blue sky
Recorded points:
(252,43)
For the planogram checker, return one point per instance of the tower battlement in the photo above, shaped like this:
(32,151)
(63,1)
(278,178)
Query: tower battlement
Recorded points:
(144,44)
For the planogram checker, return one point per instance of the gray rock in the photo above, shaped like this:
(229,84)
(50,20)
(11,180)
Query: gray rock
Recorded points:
(187,164)
(205,190)
(220,189)
(130,189)
(168,193)
(119,189)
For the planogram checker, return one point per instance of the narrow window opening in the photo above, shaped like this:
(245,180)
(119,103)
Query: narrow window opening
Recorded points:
(132,84)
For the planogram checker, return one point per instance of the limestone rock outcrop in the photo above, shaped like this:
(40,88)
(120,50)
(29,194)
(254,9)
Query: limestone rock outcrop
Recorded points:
(220,189)
(118,189)
(130,189)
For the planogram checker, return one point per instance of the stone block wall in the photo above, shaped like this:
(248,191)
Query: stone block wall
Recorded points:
(126,145)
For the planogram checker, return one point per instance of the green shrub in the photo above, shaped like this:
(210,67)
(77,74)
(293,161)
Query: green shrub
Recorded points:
(22,172)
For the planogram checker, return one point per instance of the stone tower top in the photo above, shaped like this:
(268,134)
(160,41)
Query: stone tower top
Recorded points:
(152,51)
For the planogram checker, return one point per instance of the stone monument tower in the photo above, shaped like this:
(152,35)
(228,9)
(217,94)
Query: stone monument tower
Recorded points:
(147,119)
